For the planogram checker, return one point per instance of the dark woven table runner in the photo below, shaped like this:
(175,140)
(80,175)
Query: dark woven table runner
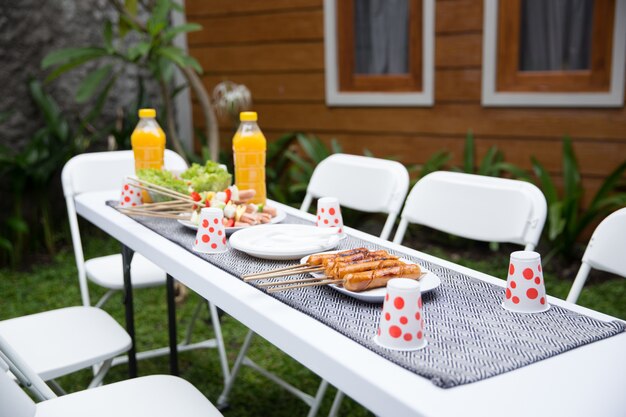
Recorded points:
(470,336)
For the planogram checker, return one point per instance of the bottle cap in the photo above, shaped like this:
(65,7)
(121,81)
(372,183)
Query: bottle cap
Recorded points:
(248,116)
(147,113)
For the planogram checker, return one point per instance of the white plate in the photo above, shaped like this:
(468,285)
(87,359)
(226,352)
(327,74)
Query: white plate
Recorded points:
(283,241)
(427,283)
(280,216)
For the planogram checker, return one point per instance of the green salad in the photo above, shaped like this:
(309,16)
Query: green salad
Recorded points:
(163,178)
(208,177)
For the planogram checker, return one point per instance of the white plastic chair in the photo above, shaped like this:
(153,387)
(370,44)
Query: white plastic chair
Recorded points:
(476,207)
(104,171)
(604,252)
(58,342)
(154,396)
(359,182)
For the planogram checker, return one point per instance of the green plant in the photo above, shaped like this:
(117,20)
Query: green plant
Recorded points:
(30,172)
(566,217)
(492,164)
(151,49)
(291,160)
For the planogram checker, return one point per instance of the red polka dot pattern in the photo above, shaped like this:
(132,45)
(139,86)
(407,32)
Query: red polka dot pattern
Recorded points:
(404,320)
(513,284)
(508,293)
(205,224)
(528,273)
(205,238)
(395,332)
(537,280)
(398,303)
(511,269)
(515,300)
(532,293)
(408,337)
(387,316)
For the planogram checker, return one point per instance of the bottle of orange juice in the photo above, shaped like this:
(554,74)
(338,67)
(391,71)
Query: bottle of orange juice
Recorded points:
(249,147)
(148,141)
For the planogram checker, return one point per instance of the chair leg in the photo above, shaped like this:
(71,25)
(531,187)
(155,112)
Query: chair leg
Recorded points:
(581,277)
(222,401)
(56,387)
(221,348)
(192,323)
(106,297)
(334,409)
(319,396)
(102,371)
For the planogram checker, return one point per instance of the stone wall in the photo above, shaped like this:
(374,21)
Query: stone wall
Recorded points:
(30,29)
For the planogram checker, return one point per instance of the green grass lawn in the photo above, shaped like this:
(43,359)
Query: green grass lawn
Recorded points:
(54,284)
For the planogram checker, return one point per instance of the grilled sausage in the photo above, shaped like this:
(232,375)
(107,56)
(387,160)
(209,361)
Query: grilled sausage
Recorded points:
(318,259)
(362,281)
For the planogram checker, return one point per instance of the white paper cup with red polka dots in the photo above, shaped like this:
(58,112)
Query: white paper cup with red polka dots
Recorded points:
(525,290)
(211,237)
(131,196)
(402,319)
(329,213)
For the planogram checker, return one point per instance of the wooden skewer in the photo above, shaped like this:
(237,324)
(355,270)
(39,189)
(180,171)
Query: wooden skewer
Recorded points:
(286,285)
(287,268)
(153,185)
(172,210)
(172,203)
(291,281)
(166,193)
(148,214)
(309,284)
(285,273)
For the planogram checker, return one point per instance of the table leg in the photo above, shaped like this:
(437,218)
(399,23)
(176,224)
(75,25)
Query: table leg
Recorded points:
(127,257)
(171,317)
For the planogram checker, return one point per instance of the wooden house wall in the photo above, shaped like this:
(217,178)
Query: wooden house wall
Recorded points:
(276,48)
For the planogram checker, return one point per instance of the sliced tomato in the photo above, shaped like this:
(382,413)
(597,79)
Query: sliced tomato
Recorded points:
(228,222)
(195,196)
(207,203)
(229,194)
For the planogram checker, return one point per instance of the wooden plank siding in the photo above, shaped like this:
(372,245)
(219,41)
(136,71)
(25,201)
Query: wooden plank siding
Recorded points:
(276,48)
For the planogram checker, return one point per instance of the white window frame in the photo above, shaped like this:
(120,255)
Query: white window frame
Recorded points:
(491,97)
(334,97)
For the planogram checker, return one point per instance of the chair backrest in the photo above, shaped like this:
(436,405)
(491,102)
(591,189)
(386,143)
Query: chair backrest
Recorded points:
(362,183)
(476,207)
(100,171)
(13,401)
(605,251)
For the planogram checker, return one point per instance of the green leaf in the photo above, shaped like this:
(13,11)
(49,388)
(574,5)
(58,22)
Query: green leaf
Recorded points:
(514,170)
(91,83)
(64,55)
(49,109)
(108,36)
(468,153)
(335,146)
(6,245)
(131,6)
(193,63)
(171,33)
(172,53)
(138,50)
(609,184)
(571,175)
(158,19)
(547,185)
(69,65)
(555,220)
(17,224)
(97,108)
(486,165)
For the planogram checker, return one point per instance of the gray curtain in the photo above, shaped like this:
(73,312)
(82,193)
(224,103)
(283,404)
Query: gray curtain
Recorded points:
(555,35)
(381,36)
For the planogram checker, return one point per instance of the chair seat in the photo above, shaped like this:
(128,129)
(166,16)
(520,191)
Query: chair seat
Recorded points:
(59,342)
(153,396)
(107,272)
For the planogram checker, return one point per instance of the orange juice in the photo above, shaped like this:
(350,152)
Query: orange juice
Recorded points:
(148,141)
(249,147)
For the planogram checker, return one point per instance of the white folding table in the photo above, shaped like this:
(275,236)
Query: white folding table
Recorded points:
(587,381)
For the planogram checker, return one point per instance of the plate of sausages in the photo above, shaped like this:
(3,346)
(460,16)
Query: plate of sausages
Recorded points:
(363,274)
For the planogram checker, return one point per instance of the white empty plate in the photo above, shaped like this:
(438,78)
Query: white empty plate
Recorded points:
(284,241)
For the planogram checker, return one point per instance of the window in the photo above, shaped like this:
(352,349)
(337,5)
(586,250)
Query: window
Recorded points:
(379,52)
(567,53)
